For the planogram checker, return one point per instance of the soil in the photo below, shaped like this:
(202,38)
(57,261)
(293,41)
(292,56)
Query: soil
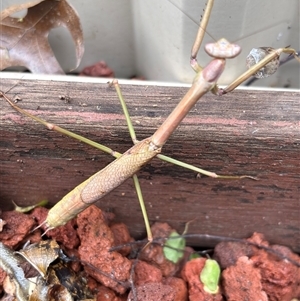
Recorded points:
(132,272)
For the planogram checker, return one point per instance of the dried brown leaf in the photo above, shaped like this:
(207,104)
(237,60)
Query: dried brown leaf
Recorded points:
(16,8)
(24,42)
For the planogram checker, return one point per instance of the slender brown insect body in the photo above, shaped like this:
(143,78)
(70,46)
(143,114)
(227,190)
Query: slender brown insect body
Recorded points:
(127,164)
(124,167)
(101,183)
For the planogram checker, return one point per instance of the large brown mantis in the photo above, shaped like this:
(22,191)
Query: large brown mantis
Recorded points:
(146,149)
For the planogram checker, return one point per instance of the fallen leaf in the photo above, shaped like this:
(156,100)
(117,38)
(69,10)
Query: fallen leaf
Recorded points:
(24,41)
(18,7)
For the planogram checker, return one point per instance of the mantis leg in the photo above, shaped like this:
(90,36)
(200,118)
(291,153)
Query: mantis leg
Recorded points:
(200,170)
(261,64)
(58,129)
(125,111)
(269,59)
(143,208)
(135,177)
(166,158)
(199,38)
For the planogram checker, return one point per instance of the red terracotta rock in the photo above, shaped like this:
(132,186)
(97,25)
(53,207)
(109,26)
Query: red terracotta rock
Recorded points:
(145,273)
(243,282)
(259,239)
(179,287)
(261,275)
(92,283)
(109,216)
(96,240)
(106,294)
(99,69)
(65,235)
(280,278)
(33,237)
(18,226)
(191,274)
(226,253)
(101,292)
(153,292)
(121,237)
(153,253)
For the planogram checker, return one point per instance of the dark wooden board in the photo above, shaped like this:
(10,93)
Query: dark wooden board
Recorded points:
(246,132)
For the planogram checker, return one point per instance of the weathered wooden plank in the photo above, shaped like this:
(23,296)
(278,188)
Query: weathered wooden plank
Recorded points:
(246,132)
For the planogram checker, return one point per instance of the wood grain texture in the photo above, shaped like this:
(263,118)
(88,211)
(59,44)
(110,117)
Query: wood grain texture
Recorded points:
(245,132)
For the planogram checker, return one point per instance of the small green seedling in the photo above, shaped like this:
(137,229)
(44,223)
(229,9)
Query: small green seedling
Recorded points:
(210,276)
(29,208)
(174,247)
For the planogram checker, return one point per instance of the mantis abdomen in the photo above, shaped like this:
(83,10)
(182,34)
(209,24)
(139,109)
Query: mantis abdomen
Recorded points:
(101,183)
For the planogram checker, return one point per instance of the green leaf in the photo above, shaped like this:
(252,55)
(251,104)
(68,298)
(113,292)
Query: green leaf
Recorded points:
(174,247)
(210,276)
